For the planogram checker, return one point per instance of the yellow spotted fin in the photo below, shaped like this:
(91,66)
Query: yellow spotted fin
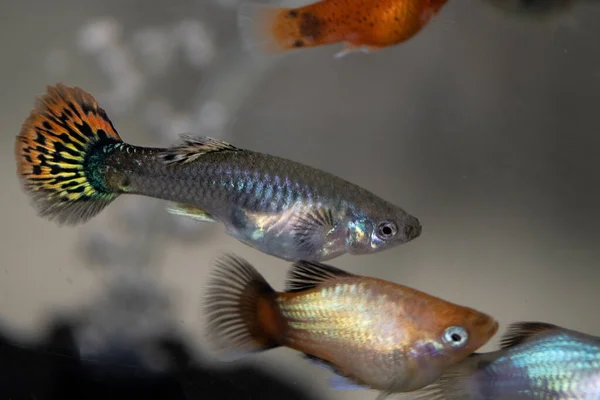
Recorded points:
(60,153)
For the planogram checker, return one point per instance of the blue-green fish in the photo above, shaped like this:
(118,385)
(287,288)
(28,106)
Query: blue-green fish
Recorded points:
(536,361)
(73,163)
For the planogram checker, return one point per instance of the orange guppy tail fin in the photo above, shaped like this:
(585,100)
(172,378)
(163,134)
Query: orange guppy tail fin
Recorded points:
(242,315)
(268,29)
(59,155)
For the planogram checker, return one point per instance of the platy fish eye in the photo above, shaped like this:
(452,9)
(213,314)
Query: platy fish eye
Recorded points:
(387,230)
(456,336)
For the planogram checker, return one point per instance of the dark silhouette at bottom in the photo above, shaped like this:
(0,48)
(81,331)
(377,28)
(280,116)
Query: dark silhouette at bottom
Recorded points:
(53,369)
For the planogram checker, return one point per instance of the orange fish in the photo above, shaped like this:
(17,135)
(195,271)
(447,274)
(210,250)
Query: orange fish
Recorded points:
(373,334)
(364,25)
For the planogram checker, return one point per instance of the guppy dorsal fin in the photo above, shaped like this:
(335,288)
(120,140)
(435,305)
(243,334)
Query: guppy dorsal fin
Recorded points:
(193,147)
(305,275)
(520,332)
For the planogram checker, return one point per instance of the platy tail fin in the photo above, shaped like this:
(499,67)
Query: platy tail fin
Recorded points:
(53,153)
(457,382)
(257,28)
(242,316)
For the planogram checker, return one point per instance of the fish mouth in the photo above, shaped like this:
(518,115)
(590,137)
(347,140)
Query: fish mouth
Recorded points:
(493,329)
(486,327)
(413,228)
(488,332)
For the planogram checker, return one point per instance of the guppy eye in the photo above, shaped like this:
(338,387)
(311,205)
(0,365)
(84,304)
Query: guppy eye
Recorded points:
(387,230)
(456,336)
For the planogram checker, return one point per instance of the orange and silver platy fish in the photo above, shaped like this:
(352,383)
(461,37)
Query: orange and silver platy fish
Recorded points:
(363,25)
(72,163)
(372,333)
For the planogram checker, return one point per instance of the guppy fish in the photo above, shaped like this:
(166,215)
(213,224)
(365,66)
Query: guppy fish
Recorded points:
(537,361)
(73,163)
(372,333)
(363,25)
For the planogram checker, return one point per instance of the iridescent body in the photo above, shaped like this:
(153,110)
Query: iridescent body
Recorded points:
(361,24)
(375,333)
(73,163)
(537,361)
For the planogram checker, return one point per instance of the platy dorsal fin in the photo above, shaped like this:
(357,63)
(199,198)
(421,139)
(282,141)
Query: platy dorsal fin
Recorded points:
(305,275)
(520,332)
(194,147)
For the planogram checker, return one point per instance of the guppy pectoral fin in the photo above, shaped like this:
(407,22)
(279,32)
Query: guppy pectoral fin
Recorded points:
(190,211)
(353,48)
(311,229)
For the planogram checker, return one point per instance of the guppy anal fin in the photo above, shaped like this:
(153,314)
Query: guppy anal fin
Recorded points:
(311,229)
(190,211)
(194,147)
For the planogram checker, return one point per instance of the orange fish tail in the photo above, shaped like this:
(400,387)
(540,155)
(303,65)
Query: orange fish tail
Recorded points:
(268,29)
(54,158)
(242,315)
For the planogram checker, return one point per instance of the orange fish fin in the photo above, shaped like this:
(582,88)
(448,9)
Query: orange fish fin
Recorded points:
(305,275)
(242,316)
(350,48)
(53,152)
(256,25)
(339,381)
(520,332)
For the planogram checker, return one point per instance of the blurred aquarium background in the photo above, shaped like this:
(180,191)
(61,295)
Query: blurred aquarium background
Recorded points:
(484,125)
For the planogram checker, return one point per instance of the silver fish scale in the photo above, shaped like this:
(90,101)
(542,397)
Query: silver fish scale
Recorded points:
(261,183)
